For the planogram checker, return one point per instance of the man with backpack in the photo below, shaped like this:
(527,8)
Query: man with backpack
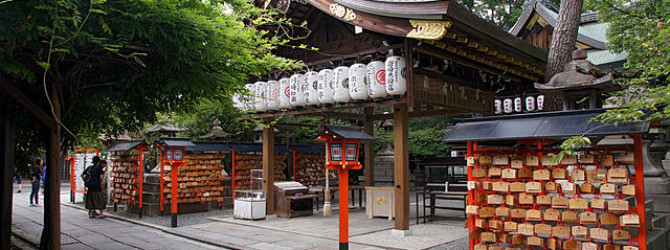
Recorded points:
(95,198)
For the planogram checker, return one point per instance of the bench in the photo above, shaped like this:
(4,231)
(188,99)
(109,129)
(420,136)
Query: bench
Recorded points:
(454,190)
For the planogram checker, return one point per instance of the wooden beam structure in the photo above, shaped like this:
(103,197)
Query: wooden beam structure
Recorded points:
(268,165)
(401,166)
(368,147)
(7,148)
(26,102)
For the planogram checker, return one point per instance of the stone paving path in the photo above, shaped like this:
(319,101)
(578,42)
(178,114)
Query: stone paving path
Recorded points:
(80,232)
(317,232)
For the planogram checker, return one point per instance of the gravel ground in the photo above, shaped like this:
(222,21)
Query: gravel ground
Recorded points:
(460,244)
(183,219)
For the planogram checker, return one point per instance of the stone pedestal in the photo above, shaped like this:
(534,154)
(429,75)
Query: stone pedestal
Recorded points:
(384,166)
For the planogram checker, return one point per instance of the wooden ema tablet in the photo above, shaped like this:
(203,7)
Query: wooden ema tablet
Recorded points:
(568,160)
(617,206)
(508,173)
(588,218)
(580,231)
(599,234)
(551,215)
(551,187)
(629,220)
(554,243)
(541,175)
(627,158)
(596,175)
(560,231)
(533,160)
(543,200)
(621,234)
(559,173)
(609,219)
(500,186)
(578,203)
(587,159)
(502,212)
(501,160)
(533,215)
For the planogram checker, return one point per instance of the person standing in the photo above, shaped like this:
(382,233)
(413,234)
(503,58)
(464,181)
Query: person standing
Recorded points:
(35,191)
(95,198)
(18,179)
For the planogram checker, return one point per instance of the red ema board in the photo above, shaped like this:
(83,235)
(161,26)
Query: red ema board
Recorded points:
(524,198)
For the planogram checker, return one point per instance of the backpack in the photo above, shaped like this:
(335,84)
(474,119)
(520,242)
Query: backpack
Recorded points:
(87,175)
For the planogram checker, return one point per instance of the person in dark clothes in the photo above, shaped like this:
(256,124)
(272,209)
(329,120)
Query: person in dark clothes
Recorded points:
(18,179)
(95,198)
(35,191)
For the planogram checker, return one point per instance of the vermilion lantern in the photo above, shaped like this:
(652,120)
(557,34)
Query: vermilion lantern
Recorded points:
(343,144)
(172,153)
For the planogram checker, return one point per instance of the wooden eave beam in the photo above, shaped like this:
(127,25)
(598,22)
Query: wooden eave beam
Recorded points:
(24,100)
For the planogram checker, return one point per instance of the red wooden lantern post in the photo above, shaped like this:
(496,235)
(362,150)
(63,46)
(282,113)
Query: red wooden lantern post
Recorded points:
(172,153)
(343,144)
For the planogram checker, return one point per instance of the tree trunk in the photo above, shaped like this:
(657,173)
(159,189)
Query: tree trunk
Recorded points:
(7,150)
(51,233)
(563,43)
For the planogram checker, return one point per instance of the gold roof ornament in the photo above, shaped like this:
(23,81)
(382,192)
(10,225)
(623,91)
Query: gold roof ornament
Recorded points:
(428,29)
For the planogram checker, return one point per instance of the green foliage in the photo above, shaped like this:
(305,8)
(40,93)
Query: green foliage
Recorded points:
(641,29)
(425,137)
(117,63)
(570,147)
(503,13)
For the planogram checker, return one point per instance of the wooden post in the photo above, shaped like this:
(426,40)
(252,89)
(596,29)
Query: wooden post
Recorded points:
(7,149)
(51,233)
(401,169)
(174,201)
(369,161)
(639,191)
(268,165)
(344,208)
(470,200)
(141,180)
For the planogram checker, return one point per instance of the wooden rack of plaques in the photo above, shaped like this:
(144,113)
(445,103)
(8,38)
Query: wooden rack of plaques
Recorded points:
(308,169)
(126,176)
(200,179)
(522,199)
(243,163)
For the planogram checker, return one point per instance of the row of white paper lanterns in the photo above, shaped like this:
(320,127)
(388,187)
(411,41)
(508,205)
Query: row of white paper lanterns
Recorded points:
(510,105)
(359,82)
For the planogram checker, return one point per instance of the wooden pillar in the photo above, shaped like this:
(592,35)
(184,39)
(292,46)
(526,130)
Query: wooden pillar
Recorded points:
(7,149)
(401,169)
(368,147)
(52,213)
(268,164)
(639,191)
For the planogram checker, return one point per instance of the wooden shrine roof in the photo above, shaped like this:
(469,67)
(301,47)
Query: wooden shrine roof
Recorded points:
(444,24)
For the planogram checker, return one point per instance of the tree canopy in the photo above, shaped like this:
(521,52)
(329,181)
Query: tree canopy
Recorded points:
(117,63)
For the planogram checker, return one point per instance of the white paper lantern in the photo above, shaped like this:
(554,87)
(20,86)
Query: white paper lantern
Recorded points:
(341,75)
(396,76)
(518,105)
(358,86)
(237,102)
(297,82)
(498,106)
(248,97)
(325,86)
(376,76)
(540,102)
(530,103)
(284,93)
(507,105)
(259,96)
(312,93)
(272,95)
